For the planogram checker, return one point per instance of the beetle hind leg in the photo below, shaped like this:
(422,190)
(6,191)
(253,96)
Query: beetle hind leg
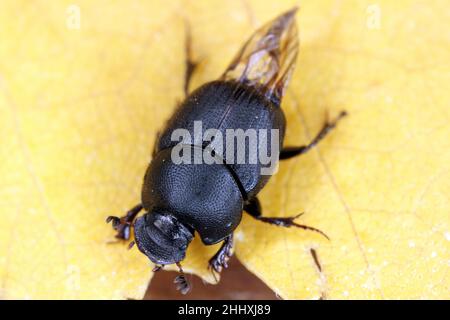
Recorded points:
(253,207)
(123,224)
(220,260)
(290,152)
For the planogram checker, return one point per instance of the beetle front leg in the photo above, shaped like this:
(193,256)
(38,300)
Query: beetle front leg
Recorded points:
(290,152)
(220,260)
(123,224)
(253,207)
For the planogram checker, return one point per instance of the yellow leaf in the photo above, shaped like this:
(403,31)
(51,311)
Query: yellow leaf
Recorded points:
(85,86)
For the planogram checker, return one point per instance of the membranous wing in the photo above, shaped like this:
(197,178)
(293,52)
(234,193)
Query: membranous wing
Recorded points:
(267,60)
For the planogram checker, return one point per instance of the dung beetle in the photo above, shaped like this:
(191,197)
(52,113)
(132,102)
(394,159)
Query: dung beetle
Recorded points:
(184,198)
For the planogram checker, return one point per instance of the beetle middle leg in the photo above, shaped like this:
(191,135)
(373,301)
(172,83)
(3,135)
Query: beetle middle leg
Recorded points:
(253,207)
(190,63)
(220,260)
(290,152)
(123,224)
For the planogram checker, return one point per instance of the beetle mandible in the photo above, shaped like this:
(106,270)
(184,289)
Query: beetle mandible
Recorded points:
(181,199)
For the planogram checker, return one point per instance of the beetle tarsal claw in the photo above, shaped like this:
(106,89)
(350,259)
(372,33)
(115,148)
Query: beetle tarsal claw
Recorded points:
(298,216)
(121,225)
(220,260)
(181,282)
(217,267)
(115,221)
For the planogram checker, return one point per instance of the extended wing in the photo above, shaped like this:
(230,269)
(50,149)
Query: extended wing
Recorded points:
(267,60)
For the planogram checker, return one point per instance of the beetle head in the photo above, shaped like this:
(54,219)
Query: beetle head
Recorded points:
(162,238)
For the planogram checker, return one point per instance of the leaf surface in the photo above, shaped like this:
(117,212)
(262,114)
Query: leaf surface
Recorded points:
(80,109)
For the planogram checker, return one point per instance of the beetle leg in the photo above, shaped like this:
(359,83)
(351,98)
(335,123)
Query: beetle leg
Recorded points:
(253,207)
(290,152)
(157,268)
(190,64)
(123,224)
(181,281)
(220,260)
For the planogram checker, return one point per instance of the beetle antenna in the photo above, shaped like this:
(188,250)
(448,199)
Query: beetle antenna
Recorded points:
(182,283)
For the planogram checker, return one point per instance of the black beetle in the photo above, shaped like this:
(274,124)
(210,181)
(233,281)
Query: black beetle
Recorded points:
(180,199)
